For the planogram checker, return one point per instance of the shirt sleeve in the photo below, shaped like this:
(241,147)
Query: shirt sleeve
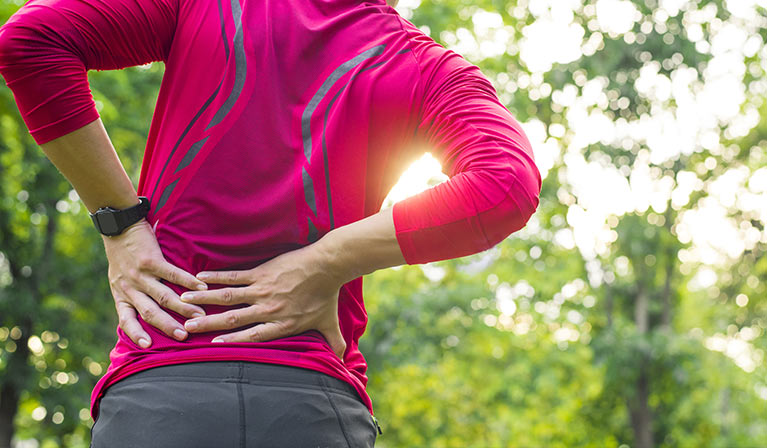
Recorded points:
(47,47)
(493,183)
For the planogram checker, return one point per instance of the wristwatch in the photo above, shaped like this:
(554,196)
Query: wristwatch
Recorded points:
(111,221)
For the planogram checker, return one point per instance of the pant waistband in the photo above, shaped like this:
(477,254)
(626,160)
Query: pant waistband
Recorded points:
(244,372)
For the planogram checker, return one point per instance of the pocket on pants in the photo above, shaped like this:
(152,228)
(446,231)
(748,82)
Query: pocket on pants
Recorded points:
(353,416)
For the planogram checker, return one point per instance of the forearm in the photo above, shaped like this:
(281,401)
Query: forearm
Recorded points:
(88,160)
(362,247)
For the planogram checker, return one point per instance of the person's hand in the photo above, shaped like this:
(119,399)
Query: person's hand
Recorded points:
(287,295)
(136,266)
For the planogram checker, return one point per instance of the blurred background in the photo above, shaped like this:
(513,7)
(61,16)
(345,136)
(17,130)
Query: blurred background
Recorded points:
(629,312)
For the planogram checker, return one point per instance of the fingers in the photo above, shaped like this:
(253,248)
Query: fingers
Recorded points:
(179,276)
(226,277)
(156,316)
(126,316)
(167,298)
(223,296)
(228,320)
(257,333)
(274,330)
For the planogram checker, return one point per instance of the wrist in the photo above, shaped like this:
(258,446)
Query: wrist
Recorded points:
(113,222)
(141,223)
(361,247)
(335,258)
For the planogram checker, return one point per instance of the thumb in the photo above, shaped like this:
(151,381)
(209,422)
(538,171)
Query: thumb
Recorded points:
(335,340)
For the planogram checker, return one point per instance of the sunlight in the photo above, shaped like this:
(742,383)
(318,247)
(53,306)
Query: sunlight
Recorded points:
(419,176)
(616,16)
(692,109)
(553,38)
(738,348)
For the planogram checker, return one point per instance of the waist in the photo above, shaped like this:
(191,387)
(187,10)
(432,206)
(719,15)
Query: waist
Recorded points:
(128,361)
(242,372)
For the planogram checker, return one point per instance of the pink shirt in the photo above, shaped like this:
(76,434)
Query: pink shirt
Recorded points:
(278,120)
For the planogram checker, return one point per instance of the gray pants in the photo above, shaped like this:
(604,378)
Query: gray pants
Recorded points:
(225,404)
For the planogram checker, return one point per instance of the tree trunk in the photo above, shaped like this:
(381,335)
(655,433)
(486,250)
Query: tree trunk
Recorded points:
(665,297)
(641,315)
(639,408)
(9,402)
(641,417)
(18,368)
(671,257)
(725,412)
(609,305)
(10,391)
(608,299)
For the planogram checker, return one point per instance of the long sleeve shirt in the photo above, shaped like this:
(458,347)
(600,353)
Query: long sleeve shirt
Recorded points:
(277,121)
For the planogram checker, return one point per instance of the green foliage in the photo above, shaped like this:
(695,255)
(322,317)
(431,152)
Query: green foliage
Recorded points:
(637,317)
(55,305)
(536,342)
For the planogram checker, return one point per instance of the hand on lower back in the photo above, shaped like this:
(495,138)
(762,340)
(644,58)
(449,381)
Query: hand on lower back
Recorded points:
(289,294)
(136,268)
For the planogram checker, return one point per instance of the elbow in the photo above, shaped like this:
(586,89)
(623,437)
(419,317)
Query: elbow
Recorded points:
(48,79)
(529,188)
(516,206)
(9,46)
(14,54)
(20,46)
(34,35)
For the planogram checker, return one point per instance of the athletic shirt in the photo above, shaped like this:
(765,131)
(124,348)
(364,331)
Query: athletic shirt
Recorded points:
(277,121)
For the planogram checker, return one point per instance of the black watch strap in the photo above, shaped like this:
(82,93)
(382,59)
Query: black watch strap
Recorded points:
(111,221)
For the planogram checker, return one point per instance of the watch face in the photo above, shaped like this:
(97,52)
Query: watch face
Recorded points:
(108,223)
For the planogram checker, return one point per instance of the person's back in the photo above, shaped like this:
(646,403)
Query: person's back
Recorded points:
(279,120)
(264,109)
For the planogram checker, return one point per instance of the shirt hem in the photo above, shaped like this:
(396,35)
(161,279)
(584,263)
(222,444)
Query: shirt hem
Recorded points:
(180,358)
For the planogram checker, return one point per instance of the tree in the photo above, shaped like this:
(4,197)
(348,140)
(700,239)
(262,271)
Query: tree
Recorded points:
(612,318)
(627,73)
(57,316)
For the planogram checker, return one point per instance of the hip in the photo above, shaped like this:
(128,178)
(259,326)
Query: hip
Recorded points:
(232,403)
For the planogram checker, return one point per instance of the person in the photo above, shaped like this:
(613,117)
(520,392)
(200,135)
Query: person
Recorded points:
(236,267)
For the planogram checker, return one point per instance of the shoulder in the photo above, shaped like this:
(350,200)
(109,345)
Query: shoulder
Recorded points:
(442,68)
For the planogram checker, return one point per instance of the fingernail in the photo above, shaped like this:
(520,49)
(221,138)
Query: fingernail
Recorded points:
(198,315)
(187,296)
(179,333)
(191,325)
(202,287)
(144,343)
(217,339)
(203,276)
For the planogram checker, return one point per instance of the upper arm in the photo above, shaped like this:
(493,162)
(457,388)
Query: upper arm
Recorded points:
(467,127)
(493,183)
(47,46)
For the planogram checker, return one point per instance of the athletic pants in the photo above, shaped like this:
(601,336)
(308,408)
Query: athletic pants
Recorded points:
(232,404)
